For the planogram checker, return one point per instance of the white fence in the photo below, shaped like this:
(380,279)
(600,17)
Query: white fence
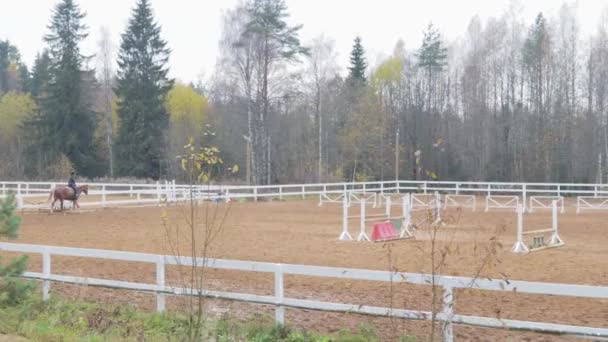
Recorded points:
(591,203)
(502,202)
(147,193)
(546,202)
(461,201)
(447,315)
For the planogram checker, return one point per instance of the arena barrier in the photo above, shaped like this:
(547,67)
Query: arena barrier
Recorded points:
(591,203)
(331,198)
(502,202)
(460,201)
(546,202)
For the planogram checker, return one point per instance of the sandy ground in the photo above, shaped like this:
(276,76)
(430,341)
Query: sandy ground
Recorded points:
(300,232)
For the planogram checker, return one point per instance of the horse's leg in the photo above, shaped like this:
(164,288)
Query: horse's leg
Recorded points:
(76,205)
(61,200)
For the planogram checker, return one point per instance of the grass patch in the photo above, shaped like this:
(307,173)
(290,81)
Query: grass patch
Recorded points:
(64,320)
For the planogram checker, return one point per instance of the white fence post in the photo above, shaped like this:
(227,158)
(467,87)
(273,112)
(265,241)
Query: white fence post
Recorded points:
(160,283)
(389,204)
(303,192)
(18,189)
(19,202)
(489,190)
(279,313)
(424,188)
(158,192)
(46,273)
(27,188)
(131,191)
(457,189)
(173,191)
(524,194)
(103,196)
(255,194)
(595,191)
(3,189)
(448,311)
(280,193)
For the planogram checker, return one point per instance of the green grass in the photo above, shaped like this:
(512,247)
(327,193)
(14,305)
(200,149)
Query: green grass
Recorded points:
(63,320)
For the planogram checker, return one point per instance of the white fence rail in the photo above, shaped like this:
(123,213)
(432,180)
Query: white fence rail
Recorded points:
(143,193)
(447,315)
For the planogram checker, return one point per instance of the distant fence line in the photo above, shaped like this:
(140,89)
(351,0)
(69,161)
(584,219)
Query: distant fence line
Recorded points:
(170,191)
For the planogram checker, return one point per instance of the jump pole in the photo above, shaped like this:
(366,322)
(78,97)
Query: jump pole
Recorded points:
(345,236)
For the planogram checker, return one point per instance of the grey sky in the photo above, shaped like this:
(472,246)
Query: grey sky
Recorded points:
(192,27)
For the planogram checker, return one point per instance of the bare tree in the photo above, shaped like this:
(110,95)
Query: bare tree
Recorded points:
(105,75)
(322,66)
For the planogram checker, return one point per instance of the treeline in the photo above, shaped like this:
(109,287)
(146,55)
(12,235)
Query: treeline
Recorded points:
(510,101)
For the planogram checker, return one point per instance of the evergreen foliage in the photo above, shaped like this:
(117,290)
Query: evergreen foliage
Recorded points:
(142,87)
(358,63)
(12,289)
(66,123)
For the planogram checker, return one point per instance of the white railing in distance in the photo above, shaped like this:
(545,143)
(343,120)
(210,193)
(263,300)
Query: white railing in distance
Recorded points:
(591,203)
(460,201)
(502,202)
(546,203)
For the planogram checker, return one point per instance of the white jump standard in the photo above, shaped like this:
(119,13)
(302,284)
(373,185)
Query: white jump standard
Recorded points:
(538,240)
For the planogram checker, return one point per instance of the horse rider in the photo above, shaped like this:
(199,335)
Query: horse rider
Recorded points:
(72,184)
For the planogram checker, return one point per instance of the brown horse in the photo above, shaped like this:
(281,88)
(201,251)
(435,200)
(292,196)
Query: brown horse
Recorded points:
(65,193)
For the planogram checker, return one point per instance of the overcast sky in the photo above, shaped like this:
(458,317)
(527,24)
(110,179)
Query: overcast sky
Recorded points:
(192,27)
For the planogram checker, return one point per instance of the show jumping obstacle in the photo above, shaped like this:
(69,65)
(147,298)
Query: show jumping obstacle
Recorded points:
(384,218)
(388,227)
(538,235)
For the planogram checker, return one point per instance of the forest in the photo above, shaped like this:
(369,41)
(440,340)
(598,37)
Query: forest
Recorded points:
(509,100)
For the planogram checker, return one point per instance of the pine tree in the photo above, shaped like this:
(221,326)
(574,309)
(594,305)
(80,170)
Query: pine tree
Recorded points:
(142,88)
(40,76)
(432,57)
(66,117)
(358,64)
(12,289)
